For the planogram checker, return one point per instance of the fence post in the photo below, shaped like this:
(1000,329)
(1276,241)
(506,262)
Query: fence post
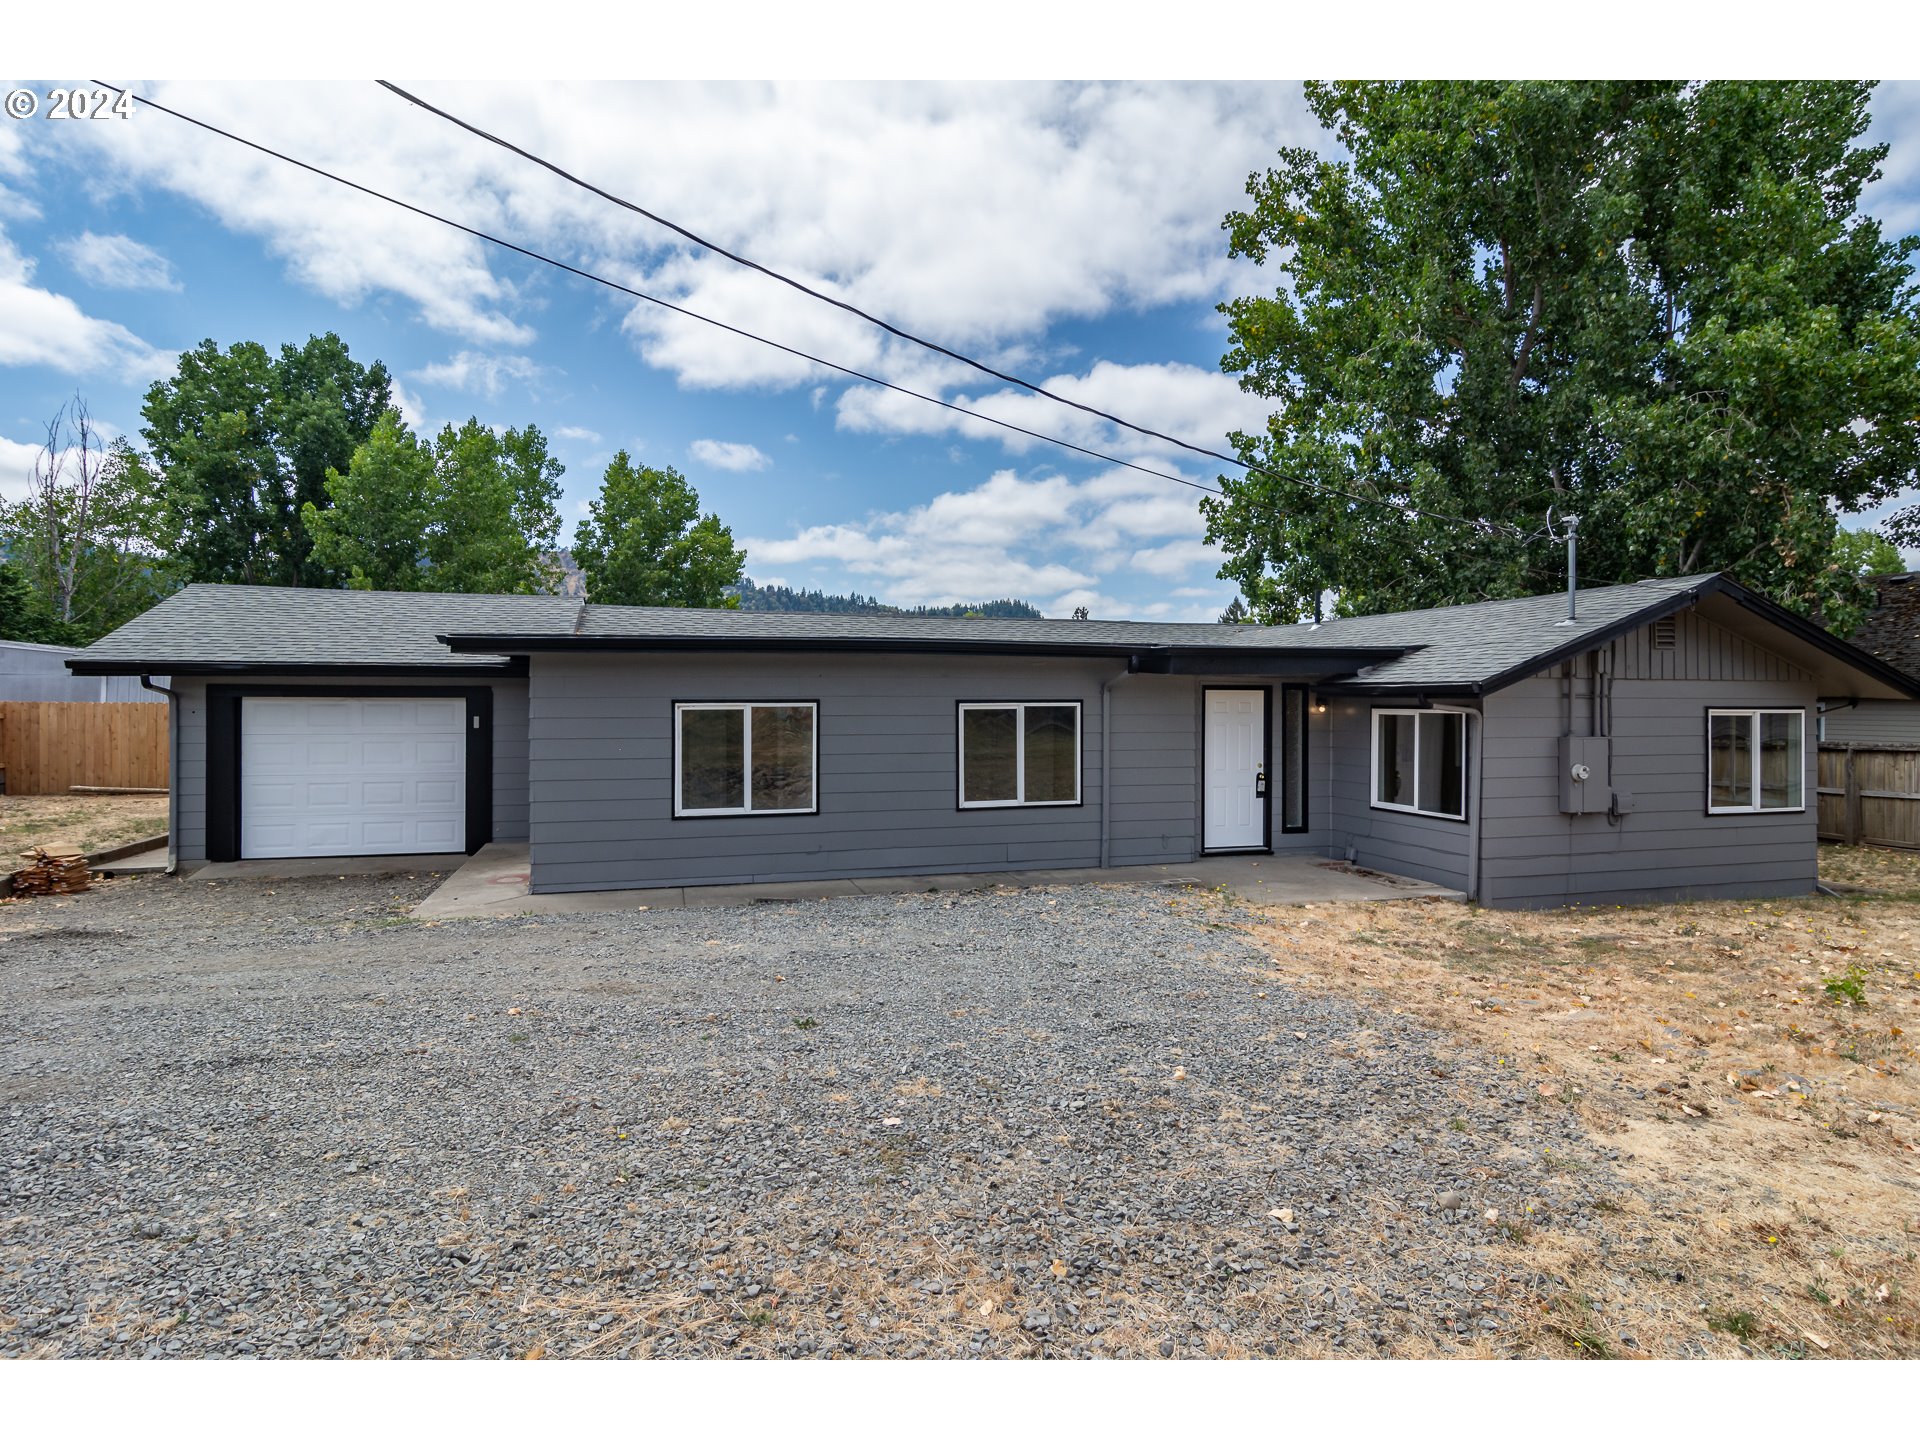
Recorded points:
(1851,825)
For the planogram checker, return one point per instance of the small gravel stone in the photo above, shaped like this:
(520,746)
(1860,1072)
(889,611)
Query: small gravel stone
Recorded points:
(287,1120)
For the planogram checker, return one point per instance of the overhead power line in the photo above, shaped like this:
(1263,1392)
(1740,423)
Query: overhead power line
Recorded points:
(1485,527)
(897,331)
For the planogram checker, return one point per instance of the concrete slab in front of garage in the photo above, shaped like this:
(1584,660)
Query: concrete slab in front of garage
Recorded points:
(304,866)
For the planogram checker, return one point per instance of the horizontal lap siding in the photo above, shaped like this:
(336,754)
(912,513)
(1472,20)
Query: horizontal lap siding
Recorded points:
(1156,771)
(1401,844)
(1666,846)
(601,732)
(1875,722)
(509,753)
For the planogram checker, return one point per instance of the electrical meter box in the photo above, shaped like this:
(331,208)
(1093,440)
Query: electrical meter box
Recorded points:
(1583,774)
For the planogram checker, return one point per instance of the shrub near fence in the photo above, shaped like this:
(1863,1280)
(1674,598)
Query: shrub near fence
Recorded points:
(48,745)
(1870,795)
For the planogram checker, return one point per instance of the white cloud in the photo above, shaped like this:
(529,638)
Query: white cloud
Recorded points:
(16,468)
(977,213)
(729,455)
(39,327)
(1184,401)
(118,262)
(580,433)
(1046,539)
(474,370)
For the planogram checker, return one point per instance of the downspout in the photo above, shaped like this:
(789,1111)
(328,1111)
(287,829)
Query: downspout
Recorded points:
(1106,764)
(173,767)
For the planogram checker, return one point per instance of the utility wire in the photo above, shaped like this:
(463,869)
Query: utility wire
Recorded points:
(1485,527)
(935,346)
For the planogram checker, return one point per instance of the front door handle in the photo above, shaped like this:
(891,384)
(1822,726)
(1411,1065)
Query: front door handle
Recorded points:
(1260,784)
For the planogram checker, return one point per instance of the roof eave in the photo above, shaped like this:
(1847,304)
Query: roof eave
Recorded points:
(504,665)
(1154,658)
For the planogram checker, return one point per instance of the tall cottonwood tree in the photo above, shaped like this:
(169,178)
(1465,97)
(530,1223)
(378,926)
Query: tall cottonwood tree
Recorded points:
(645,542)
(1656,305)
(243,440)
(473,512)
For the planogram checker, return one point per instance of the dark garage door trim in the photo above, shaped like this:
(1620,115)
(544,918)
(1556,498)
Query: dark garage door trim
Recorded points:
(223,751)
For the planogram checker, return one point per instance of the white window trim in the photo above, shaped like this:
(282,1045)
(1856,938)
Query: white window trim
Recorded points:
(1753,780)
(681,811)
(1373,776)
(1020,707)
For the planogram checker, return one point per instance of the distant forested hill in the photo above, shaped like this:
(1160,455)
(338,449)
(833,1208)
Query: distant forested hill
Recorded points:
(817,602)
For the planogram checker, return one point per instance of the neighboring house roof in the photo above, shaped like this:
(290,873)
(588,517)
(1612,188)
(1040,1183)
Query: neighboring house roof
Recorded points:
(1892,631)
(1460,649)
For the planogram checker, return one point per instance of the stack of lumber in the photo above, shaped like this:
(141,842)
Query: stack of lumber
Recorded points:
(53,872)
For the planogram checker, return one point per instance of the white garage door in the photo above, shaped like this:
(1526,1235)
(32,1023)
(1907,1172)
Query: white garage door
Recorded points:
(353,777)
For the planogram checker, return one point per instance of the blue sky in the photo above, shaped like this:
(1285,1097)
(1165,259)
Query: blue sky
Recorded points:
(1070,233)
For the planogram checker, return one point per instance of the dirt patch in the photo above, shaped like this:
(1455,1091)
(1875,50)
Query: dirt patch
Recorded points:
(1755,1062)
(85,822)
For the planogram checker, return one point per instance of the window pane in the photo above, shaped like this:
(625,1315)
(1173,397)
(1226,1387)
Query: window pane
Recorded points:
(1394,784)
(1053,753)
(1729,760)
(1782,768)
(1442,785)
(783,757)
(988,758)
(1293,758)
(712,754)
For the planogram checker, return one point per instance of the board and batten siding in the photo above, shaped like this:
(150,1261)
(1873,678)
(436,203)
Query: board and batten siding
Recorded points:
(601,730)
(1667,846)
(190,758)
(1875,722)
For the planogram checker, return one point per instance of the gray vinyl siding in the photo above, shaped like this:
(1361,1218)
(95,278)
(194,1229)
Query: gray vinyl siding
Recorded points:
(1667,846)
(1158,779)
(602,759)
(1156,771)
(190,763)
(1875,722)
(1421,846)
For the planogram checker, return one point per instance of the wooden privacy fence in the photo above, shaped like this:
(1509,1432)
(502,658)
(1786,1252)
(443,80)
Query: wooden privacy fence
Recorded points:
(48,745)
(1870,795)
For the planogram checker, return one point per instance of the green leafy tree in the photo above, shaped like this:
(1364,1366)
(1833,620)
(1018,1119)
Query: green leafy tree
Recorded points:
(24,614)
(1654,305)
(1867,552)
(1236,613)
(244,441)
(374,528)
(496,522)
(645,542)
(84,537)
(474,512)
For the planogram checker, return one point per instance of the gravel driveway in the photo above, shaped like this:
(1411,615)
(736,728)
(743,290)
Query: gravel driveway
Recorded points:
(265,1118)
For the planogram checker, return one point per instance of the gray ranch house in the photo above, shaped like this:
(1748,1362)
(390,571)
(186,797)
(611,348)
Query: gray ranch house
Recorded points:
(1661,745)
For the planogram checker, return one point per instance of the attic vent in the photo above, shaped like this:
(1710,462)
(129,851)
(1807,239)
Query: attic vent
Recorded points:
(1666,633)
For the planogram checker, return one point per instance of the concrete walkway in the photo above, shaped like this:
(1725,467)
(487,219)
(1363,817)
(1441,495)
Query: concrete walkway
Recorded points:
(494,882)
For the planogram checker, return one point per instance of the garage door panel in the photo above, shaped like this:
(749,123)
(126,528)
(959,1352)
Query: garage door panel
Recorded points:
(375,776)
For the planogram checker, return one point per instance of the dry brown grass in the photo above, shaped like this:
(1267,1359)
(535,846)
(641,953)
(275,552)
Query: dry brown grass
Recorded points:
(85,822)
(1772,1124)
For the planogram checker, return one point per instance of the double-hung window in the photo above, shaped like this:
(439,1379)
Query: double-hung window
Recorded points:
(1020,753)
(745,759)
(1420,762)
(1756,760)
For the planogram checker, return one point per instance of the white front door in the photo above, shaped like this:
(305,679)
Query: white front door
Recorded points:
(353,776)
(1235,745)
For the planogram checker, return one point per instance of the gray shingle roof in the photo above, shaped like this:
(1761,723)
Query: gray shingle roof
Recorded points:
(264,627)
(216,625)
(1892,630)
